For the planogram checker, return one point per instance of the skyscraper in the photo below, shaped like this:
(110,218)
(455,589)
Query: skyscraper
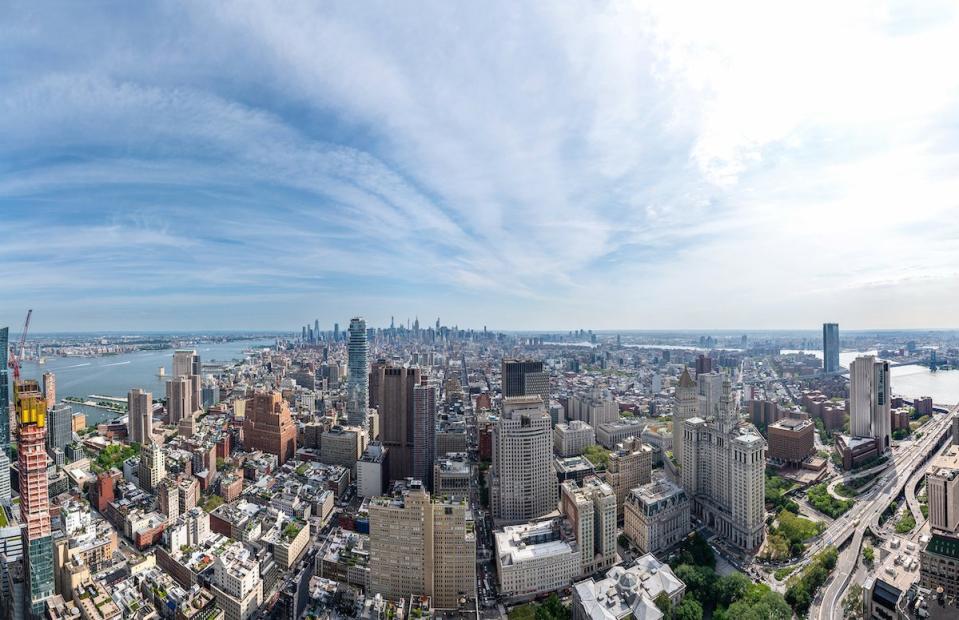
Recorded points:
(358,379)
(685,406)
(4,391)
(50,389)
(152,467)
(186,362)
(140,415)
(830,347)
(522,478)
(34,500)
(179,399)
(869,400)
(424,432)
(59,427)
(525,378)
(396,411)
(724,473)
(269,426)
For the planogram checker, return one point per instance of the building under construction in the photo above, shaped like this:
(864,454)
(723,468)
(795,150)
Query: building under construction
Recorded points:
(31,411)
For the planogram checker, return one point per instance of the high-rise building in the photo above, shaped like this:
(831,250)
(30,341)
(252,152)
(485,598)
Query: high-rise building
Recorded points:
(358,379)
(4,390)
(396,418)
(522,478)
(830,347)
(186,363)
(685,406)
(179,399)
(657,515)
(630,465)
(31,411)
(269,426)
(525,378)
(140,415)
(50,389)
(59,427)
(869,401)
(424,432)
(152,467)
(704,364)
(595,408)
(723,471)
(591,509)
(942,487)
(420,546)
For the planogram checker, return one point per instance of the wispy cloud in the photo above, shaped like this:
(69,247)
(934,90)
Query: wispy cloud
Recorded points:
(575,164)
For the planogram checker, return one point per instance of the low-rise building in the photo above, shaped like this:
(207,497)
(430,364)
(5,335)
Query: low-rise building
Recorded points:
(535,558)
(627,592)
(657,515)
(572,438)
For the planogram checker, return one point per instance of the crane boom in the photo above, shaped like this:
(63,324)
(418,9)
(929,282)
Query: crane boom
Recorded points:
(15,357)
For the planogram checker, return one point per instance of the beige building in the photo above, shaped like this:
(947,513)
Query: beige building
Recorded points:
(723,471)
(535,558)
(685,406)
(629,466)
(140,415)
(572,438)
(152,467)
(657,516)
(179,398)
(422,547)
(595,408)
(290,543)
(522,479)
(342,445)
(591,510)
(451,475)
(942,485)
(236,583)
(94,602)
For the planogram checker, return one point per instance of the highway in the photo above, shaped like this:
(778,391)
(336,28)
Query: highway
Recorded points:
(866,512)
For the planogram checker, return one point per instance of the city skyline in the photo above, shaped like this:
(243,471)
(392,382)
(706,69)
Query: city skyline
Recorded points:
(521,167)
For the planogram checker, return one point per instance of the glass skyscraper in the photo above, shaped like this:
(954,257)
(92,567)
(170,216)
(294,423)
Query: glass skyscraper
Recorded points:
(4,416)
(830,347)
(358,378)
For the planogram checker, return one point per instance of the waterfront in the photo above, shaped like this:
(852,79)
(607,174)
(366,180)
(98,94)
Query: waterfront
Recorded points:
(114,375)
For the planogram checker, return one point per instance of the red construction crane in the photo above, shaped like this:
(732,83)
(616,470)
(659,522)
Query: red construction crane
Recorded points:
(16,357)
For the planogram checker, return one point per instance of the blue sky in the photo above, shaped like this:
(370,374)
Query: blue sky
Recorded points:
(602,165)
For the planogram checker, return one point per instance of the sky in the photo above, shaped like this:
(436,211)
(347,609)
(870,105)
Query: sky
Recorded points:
(539,165)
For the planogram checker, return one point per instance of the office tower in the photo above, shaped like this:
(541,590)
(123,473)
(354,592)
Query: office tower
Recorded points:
(179,399)
(591,509)
(269,427)
(522,478)
(704,364)
(685,406)
(525,378)
(50,389)
(140,415)
(420,546)
(942,485)
(630,465)
(830,347)
(595,408)
(724,473)
(869,396)
(709,390)
(152,467)
(316,330)
(396,418)
(377,371)
(336,332)
(59,427)
(186,362)
(31,411)
(424,432)
(358,379)
(4,390)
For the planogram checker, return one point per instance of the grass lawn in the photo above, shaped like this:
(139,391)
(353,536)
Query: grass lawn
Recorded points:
(782,573)
(523,612)
(906,523)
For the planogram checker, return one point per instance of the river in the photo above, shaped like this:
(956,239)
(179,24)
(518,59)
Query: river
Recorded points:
(114,375)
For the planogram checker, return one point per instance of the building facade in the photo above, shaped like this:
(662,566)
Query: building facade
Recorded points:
(657,516)
(268,426)
(140,415)
(591,509)
(724,473)
(791,441)
(869,401)
(358,379)
(524,378)
(830,347)
(572,438)
(630,465)
(685,406)
(522,479)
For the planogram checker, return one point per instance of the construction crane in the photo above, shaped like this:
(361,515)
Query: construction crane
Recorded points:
(16,357)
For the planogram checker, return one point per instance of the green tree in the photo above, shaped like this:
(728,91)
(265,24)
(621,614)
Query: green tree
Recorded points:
(868,554)
(852,603)
(665,604)
(688,609)
(700,582)
(730,588)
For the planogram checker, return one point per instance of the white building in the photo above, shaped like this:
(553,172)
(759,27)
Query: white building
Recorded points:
(572,438)
(611,433)
(535,558)
(723,471)
(522,479)
(371,470)
(869,396)
(595,408)
(237,585)
(627,592)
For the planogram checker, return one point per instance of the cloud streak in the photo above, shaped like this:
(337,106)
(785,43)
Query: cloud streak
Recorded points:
(617,165)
